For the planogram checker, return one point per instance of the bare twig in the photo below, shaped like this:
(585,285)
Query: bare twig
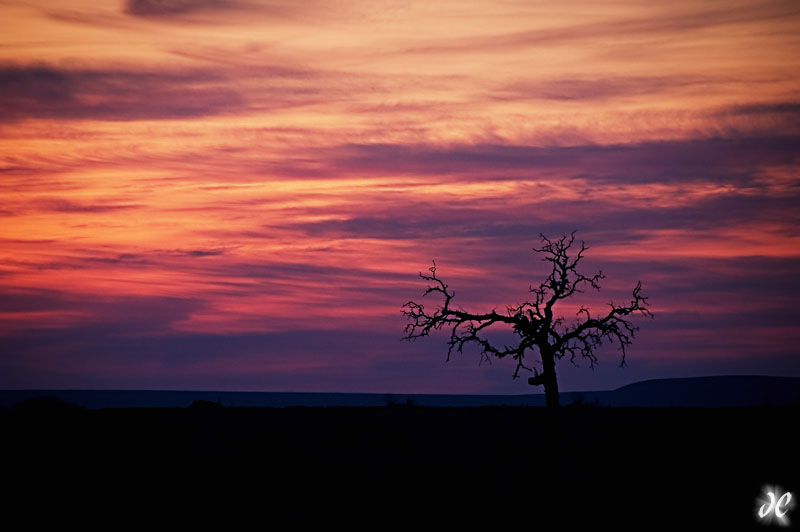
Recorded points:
(533,321)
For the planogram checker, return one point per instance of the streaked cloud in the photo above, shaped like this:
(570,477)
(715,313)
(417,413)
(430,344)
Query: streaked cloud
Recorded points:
(733,159)
(47,92)
(174,7)
(239,195)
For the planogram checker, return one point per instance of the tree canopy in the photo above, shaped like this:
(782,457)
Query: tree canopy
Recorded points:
(534,322)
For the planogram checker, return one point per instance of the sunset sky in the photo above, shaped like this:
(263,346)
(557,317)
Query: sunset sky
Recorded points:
(239,195)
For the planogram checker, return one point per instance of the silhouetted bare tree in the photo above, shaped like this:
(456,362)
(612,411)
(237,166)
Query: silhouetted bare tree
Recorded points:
(534,322)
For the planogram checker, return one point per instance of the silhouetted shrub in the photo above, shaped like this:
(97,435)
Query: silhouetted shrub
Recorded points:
(579,401)
(207,405)
(391,401)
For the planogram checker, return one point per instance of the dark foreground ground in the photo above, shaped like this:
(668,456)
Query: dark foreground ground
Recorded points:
(515,466)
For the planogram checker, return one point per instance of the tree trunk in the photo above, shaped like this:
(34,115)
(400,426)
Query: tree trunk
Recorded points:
(550,381)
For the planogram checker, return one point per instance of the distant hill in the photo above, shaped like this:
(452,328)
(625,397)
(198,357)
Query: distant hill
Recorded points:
(722,391)
(709,392)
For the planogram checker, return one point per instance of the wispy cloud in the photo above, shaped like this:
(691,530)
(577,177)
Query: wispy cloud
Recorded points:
(67,206)
(48,92)
(211,193)
(682,18)
(174,7)
(731,159)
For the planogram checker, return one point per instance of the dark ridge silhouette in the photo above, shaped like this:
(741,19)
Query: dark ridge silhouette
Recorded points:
(698,392)
(702,392)
(720,391)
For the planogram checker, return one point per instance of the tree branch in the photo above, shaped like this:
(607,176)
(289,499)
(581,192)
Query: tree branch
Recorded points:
(465,327)
(585,337)
(533,321)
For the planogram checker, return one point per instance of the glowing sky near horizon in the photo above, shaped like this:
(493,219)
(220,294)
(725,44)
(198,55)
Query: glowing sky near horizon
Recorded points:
(234,194)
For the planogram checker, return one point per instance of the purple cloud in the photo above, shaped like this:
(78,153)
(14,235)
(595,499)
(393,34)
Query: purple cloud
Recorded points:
(49,92)
(174,7)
